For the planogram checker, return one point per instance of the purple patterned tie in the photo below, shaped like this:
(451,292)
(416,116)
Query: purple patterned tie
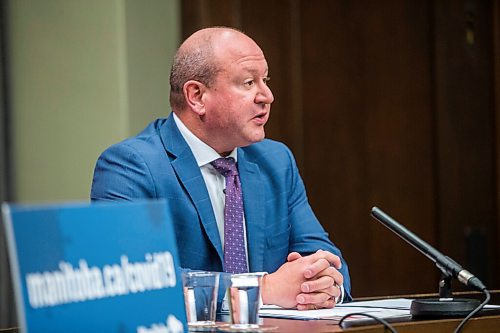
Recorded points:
(235,259)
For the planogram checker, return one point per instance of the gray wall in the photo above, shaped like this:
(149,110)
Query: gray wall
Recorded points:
(82,75)
(85,74)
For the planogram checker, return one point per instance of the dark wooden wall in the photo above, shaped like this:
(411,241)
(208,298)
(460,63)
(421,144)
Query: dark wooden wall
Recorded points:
(388,103)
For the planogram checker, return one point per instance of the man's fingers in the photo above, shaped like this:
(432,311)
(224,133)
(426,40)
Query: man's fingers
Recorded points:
(333,273)
(293,256)
(320,256)
(325,305)
(331,290)
(323,284)
(321,268)
(320,261)
(316,267)
(313,298)
(328,256)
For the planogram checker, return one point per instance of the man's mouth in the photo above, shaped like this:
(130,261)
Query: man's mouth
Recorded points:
(261,118)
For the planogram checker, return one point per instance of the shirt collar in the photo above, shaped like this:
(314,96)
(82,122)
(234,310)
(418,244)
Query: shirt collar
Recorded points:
(203,153)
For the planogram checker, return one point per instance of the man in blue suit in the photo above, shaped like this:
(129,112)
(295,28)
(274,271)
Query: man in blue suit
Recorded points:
(221,102)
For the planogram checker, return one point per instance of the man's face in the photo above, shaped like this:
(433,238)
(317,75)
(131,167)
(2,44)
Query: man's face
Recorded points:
(239,101)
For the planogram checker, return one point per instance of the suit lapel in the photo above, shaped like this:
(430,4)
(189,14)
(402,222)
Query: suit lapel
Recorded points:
(189,174)
(253,200)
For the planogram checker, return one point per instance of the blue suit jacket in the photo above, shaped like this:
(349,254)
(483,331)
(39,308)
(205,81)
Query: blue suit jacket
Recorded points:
(158,163)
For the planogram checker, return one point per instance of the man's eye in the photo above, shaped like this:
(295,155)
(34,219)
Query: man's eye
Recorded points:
(266,80)
(249,83)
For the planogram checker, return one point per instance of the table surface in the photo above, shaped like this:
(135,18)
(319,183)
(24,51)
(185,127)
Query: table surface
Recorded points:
(482,324)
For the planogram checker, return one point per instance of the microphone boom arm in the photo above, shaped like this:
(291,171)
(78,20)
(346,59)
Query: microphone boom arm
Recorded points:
(448,266)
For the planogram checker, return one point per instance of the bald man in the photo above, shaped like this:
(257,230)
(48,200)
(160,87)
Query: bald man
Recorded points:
(237,200)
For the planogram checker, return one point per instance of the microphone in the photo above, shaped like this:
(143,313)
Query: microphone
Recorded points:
(445,306)
(447,265)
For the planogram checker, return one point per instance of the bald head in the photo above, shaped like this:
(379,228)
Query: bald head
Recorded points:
(197,59)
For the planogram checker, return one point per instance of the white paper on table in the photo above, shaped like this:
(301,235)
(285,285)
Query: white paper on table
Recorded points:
(384,308)
(392,308)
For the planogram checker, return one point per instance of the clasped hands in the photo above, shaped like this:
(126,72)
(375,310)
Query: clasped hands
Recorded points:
(304,282)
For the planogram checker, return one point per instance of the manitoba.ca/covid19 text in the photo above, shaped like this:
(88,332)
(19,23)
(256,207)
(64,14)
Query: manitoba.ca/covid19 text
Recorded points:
(71,284)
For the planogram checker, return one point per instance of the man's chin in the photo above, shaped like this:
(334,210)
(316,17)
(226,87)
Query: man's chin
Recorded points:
(261,136)
(253,139)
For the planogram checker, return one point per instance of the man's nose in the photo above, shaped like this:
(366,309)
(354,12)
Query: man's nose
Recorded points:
(265,95)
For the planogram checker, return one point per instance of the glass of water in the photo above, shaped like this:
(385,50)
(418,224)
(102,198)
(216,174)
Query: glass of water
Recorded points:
(244,296)
(200,298)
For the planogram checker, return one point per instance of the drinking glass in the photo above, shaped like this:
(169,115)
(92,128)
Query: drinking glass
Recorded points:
(200,299)
(244,296)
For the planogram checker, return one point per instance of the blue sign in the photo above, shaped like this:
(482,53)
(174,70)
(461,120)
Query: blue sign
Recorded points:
(95,268)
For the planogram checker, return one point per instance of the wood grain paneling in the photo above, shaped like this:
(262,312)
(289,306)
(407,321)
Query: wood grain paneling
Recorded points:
(383,104)
(197,14)
(496,64)
(465,128)
(368,122)
(282,49)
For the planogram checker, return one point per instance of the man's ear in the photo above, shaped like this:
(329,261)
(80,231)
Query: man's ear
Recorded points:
(193,94)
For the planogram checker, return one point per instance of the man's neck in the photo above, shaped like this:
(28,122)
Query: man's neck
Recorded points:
(202,152)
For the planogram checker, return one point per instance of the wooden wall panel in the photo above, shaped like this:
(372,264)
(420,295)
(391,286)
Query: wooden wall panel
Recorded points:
(382,105)
(496,64)
(368,133)
(277,44)
(496,71)
(280,44)
(465,126)
(198,14)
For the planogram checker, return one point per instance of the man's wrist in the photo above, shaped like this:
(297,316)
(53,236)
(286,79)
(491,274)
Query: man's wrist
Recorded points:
(266,289)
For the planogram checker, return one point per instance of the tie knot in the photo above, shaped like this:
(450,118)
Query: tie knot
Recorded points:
(226,166)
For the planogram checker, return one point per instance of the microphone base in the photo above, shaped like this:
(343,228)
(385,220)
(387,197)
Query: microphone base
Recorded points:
(442,307)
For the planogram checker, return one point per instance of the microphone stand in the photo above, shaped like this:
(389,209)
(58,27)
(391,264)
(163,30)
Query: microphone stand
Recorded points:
(445,305)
